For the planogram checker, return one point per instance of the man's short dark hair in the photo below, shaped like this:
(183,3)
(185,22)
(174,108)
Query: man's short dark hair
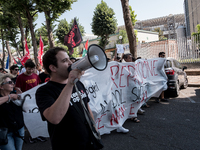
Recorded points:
(126,55)
(161,53)
(29,63)
(49,58)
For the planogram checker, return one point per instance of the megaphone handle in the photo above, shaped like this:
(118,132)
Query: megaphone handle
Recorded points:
(76,80)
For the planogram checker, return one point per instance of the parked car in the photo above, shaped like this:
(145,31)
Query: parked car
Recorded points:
(177,77)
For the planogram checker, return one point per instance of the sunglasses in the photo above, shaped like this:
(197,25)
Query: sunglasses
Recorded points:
(9,82)
(16,69)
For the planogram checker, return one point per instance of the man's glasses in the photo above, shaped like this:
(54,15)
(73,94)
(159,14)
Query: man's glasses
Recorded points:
(16,69)
(9,82)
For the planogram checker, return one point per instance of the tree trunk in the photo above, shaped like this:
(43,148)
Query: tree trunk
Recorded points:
(9,53)
(49,29)
(34,42)
(22,33)
(14,41)
(3,48)
(129,28)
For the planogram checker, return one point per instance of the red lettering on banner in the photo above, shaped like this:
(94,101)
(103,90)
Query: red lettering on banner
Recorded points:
(154,67)
(148,67)
(121,77)
(144,96)
(131,113)
(99,120)
(115,117)
(111,69)
(129,75)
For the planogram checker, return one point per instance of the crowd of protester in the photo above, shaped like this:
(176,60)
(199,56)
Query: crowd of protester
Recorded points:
(20,79)
(12,84)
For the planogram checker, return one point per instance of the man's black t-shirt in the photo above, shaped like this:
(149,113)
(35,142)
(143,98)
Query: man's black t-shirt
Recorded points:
(72,132)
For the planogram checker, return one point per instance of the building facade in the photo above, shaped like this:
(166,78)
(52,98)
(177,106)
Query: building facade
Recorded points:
(192,15)
(168,24)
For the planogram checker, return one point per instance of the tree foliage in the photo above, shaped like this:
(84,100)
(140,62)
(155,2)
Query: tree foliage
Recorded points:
(133,16)
(17,22)
(52,10)
(160,33)
(103,23)
(62,30)
(196,35)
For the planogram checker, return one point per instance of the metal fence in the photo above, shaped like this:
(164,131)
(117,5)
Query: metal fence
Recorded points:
(184,50)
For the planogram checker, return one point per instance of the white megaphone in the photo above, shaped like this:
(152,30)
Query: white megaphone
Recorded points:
(95,57)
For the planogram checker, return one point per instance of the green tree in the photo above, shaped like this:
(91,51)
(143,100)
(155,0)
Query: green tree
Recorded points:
(103,23)
(133,16)
(196,36)
(52,10)
(62,30)
(42,31)
(160,33)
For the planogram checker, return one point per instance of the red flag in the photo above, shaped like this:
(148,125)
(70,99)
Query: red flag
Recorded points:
(41,49)
(24,58)
(86,45)
(19,59)
(73,38)
(26,47)
(14,60)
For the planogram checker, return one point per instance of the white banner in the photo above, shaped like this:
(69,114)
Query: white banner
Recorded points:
(118,92)
(115,94)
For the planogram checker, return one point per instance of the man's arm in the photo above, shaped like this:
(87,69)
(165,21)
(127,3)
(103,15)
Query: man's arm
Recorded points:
(59,108)
(55,113)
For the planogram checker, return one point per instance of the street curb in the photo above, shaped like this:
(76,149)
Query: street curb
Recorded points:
(193,85)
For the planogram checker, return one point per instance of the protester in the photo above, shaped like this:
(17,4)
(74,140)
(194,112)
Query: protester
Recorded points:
(39,68)
(128,57)
(73,60)
(2,70)
(11,116)
(162,95)
(14,70)
(28,79)
(44,77)
(56,101)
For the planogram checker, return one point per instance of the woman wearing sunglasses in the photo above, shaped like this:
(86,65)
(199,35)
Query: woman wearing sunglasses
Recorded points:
(11,116)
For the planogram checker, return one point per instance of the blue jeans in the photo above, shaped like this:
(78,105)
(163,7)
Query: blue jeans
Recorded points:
(14,142)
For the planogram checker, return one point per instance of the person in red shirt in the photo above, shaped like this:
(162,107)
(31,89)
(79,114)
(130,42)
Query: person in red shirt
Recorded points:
(28,79)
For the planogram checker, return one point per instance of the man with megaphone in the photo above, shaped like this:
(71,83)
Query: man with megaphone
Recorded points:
(63,105)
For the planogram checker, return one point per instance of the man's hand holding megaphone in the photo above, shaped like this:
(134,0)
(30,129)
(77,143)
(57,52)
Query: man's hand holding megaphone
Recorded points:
(95,58)
(74,76)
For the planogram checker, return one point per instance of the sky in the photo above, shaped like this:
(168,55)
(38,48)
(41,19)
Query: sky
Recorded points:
(145,9)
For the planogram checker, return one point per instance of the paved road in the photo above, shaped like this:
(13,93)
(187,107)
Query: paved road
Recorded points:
(165,126)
